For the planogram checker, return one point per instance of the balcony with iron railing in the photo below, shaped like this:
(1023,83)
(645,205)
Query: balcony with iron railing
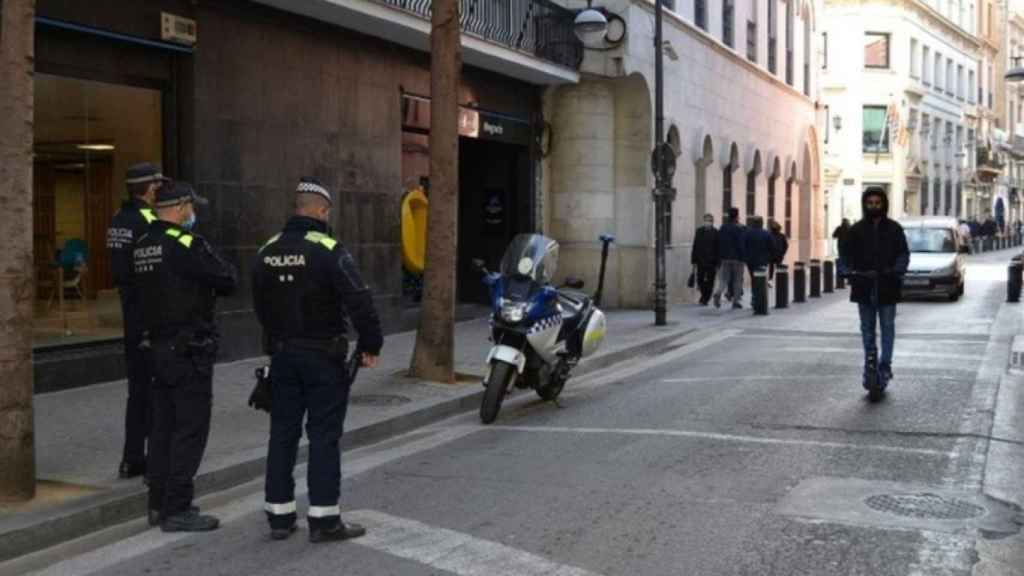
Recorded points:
(540,28)
(532,40)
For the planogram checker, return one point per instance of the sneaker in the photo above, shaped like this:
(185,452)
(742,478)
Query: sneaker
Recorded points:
(190,521)
(336,534)
(718,301)
(130,470)
(885,371)
(282,533)
(737,306)
(155,515)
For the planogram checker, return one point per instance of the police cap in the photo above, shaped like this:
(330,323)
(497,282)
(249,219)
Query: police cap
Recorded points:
(144,173)
(178,193)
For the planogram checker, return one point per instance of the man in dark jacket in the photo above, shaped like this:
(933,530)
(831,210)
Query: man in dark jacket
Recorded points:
(704,258)
(758,247)
(730,255)
(128,225)
(781,246)
(839,234)
(876,256)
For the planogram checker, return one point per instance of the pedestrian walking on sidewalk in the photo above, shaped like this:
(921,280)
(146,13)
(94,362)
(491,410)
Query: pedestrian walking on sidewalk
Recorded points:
(179,276)
(758,247)
(730,254)
(305,287)
(875,256)
(780,246)
(129,224)
(704,258)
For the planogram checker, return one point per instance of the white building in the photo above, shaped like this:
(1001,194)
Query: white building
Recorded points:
(740,91)
(901,86)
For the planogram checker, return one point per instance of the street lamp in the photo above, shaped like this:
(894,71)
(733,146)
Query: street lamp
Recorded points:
(590,25)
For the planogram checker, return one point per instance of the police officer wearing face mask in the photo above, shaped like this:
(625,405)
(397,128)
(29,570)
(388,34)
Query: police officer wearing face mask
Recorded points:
(128,225)
(305,287)
(179,276)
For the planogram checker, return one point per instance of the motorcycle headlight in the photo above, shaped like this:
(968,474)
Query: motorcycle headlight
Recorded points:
(513,311)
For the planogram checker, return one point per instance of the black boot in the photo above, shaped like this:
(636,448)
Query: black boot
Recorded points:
(130,470)
(155,516)
(190,521)
(337,533)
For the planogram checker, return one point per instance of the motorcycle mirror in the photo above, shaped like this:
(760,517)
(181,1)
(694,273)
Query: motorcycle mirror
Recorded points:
(574,283)
(477,262)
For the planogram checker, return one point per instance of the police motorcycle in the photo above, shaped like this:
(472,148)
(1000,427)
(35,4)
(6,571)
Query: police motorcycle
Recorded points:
(539,332)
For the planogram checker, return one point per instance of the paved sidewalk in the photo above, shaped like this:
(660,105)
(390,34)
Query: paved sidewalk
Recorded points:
(79,431)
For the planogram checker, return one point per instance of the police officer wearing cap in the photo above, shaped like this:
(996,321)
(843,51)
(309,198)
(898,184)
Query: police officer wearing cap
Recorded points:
(305,287)
(179,276)
(129,224)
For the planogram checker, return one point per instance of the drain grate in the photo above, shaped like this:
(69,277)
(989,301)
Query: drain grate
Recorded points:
(925,506)
(378,400)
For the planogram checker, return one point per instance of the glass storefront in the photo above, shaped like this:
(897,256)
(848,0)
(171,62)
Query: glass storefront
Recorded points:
(86,135)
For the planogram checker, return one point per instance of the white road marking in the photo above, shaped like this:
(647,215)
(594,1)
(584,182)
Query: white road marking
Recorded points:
(737,378)
(154,539)
(897,353)
(452,551)
(717,436)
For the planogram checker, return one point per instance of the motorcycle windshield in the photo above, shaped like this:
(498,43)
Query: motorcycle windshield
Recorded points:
(533,256)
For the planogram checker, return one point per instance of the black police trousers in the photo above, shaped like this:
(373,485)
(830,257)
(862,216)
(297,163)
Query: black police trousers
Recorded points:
(137,413)
(312,384)
(706,282)
(182,402)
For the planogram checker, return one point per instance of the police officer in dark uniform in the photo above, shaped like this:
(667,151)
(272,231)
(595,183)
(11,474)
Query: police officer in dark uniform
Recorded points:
(305,286)
(179,277)
(129,224)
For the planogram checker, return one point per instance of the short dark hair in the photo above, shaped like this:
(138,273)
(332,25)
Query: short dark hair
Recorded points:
(734,214)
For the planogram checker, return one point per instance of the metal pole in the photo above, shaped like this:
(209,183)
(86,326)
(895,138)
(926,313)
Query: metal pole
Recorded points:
(660,184)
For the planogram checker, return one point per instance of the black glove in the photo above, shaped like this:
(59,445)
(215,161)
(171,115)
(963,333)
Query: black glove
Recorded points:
(262,396)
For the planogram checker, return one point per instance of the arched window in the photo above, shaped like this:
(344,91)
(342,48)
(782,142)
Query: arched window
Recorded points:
(772,177)
(726,189)
(789,203)
(751,192)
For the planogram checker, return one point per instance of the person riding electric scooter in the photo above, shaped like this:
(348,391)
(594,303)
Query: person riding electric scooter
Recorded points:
(874,255)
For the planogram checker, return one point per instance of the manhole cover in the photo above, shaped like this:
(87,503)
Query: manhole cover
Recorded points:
(378,400)
(924,505)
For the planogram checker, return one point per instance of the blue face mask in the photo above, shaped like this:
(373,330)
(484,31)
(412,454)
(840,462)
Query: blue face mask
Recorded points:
(190,223)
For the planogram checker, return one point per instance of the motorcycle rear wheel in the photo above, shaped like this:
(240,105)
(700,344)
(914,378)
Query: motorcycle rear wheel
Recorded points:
(497,385)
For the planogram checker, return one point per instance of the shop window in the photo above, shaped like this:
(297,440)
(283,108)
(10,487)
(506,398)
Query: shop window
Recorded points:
(924,196)
(86,135)
(771,196)
(751,193)
(726,190)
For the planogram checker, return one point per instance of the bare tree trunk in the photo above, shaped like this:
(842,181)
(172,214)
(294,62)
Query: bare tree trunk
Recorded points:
(17,456)
(434,355)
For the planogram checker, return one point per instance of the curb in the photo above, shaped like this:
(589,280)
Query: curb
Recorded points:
(44,529)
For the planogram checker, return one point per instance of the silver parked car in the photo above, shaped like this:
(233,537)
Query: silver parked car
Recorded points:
(937,261)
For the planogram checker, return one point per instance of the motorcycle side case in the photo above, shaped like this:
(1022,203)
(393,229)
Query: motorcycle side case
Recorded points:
(593,335)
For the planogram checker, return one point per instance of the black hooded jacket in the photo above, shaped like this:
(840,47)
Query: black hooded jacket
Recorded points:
(875,247)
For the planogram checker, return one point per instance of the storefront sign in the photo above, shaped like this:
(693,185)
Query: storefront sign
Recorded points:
(473,123)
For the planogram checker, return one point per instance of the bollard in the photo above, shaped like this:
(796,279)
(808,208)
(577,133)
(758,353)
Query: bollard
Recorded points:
(830,276)
(1013,280)
(759,291)
(781,286)
(815,278)
(799,282)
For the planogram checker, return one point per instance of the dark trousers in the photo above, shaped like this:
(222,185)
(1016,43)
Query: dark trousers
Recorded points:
(182,402)
(706,281)
(310,384)
(138,411)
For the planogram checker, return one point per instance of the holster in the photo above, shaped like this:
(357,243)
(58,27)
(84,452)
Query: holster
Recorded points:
(262,395)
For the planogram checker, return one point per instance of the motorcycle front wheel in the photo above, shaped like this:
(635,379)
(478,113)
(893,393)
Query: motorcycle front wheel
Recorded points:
(497,384)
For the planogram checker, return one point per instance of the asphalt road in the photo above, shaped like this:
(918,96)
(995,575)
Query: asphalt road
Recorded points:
(749,450)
